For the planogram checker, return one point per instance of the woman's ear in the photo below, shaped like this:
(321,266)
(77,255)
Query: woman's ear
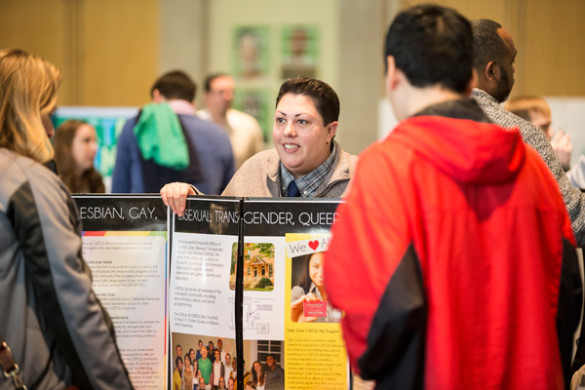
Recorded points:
(331,130)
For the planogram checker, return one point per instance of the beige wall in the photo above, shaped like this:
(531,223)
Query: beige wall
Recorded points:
(108,50)
(38,27)
(120,51)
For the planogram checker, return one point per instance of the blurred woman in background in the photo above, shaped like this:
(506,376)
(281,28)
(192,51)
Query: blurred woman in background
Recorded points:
(75,150)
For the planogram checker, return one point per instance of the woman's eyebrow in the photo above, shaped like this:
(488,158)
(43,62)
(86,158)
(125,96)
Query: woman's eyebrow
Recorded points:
(296,115)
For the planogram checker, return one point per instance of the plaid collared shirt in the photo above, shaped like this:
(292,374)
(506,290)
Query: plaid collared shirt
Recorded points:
(274,378)
(309,183)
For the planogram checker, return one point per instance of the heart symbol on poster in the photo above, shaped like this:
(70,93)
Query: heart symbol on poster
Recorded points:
(314,245)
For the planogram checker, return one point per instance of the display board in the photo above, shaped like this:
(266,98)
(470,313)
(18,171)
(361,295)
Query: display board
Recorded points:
(125,245)
(241,278)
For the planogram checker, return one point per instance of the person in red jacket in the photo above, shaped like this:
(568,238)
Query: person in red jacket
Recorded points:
(455,232)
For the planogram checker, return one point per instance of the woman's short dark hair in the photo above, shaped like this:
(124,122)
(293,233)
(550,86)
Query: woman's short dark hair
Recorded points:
(432,45)
(323,96)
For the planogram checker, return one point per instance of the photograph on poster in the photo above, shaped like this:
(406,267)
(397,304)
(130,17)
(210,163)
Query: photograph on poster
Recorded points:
(250,55)
(299,55)
(198,359)
(264,364)
(258,267)
(308,297)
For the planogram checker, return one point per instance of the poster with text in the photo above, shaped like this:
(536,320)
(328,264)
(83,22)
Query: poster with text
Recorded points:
(201,297)
(267,222)
(125,245)
(310,322)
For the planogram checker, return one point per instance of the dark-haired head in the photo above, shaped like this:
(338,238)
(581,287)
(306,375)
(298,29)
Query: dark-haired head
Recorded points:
(495,54)
(487,44)
(432,45)
(175,85)
(323,96)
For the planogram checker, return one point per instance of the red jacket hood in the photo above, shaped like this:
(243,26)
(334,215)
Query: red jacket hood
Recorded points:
(465,150)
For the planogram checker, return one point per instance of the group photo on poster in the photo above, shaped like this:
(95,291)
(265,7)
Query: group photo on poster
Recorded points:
(203,362)
(264,364)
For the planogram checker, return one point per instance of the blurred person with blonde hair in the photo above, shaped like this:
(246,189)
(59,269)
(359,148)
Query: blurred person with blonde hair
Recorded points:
(75,150)
(24,121)
(51,318)
(536,110)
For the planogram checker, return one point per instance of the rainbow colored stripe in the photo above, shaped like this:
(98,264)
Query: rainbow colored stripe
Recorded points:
(124,233)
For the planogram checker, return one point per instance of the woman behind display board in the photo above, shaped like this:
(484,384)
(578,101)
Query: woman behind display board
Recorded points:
(50,316)
(305,162)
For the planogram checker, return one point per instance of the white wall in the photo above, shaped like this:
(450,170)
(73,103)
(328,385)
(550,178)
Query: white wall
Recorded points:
(568,114)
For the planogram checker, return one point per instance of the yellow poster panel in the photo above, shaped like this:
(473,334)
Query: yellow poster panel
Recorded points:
(315,355)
